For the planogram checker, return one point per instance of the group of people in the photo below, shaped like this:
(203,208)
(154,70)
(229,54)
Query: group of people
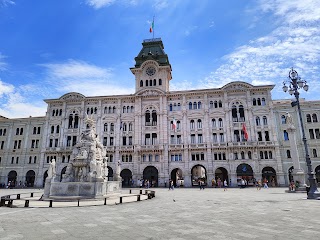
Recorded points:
(219,183)
(146,183)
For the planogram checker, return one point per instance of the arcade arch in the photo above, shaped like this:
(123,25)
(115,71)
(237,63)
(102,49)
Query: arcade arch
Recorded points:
(151,173)
(198,172)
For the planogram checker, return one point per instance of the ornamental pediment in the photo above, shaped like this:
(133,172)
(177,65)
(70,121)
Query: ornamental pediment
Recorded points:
(150,92)
(237,86)
(72,96)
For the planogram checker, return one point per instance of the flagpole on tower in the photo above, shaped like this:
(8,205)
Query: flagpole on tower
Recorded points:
(153,28)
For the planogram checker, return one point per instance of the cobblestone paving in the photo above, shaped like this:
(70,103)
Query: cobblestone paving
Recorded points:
(173,215)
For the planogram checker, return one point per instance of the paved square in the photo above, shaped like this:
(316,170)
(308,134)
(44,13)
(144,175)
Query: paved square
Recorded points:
(179,214)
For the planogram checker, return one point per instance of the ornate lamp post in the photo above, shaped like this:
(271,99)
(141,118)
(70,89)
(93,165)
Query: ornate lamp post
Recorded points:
(295,83)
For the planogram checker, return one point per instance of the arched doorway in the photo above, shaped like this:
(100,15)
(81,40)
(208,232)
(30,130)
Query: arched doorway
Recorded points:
(290,174)
(270,174)
(151,173)
(110,174)
(63,171)
(176,177)
(221,173)
(126,176)
(244,171)
(12,178)
(45,175)
(198,172)
(30,177)
(317,172)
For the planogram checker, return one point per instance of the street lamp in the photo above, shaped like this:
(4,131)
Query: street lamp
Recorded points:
(295,82)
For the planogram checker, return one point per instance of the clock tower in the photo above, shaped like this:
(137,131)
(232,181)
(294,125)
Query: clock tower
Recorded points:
(152,69)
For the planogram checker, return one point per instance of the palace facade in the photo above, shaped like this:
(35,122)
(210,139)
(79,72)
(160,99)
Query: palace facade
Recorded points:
(234,132)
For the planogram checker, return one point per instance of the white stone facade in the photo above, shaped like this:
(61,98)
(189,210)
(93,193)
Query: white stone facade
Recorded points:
(208,141)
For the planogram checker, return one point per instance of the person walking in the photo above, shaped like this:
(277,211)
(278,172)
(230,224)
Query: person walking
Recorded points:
(225,185)
(265,183)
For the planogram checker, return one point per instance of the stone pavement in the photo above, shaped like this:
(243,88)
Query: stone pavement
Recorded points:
(173,215)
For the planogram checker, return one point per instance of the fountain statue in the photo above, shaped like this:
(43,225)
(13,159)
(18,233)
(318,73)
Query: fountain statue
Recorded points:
(87,171)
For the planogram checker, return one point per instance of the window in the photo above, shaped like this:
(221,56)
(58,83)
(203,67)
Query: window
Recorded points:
(124,141)
(314,118)
(111,141)
(258,121)
(259,136)
(235,156)
(221,137)
(317,133)
(283,119)
(308,118)
(266,135)
(265,121)
(200,140)
(285,135)
(199,125)
(160,81)
(270,154)
(214,124)
(263,101)
(193,139)
(105,127)
(147,118)
(214,138)
(249,155)
(211,104)
(192,124)
(288,154)
(105,141)
(311,133)
(34,130)
(199,105)
(314,152)
(190,105)
(242,155)
(254,102)
(220,123)
(112,127)
(141,83)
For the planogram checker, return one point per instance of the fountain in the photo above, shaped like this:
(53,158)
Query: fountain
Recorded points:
(86,173)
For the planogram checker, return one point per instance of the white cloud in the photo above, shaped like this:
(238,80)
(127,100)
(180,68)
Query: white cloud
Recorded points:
(4,3)
(211,24)
(294,42)
(5,88)
(160,4)
(96,4)
(190,30)
(79,76)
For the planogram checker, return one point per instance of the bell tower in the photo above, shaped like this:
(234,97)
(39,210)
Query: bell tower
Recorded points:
(152,69)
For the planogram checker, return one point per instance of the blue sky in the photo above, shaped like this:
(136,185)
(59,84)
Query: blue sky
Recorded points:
(49,48)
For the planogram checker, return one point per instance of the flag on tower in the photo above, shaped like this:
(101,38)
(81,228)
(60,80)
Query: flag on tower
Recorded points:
(152,26)
(244,129)
(174,124)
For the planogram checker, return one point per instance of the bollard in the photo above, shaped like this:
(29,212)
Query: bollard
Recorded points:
(105,201)
(120,199)
(50,204)
(18,196)
(140,191)
(78,202)
(130,191)
(31,195)
(26,204)
(138,198)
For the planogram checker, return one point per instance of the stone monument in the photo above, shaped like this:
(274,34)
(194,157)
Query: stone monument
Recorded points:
(86,173)
(297,173)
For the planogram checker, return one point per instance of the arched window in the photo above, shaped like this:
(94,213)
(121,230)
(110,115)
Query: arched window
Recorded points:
(285,135)
(265,121)
(52,129)
(259,102)
(211,104)
(114,110)
(241,112)
(314,118)
(132,109)
(154,82)
(190,105)
(220,104)
(195,105)
(141,83)
(308,118)
(178,125)
(154,118)
(314,152)
(150,82)
(147,118)
(147,83)
(58,129)
(124,127)
(199,125)
(283,119)
(192,124)
(261,155)
(130,126)
(288,154)
(160,82)
(263,101)
(215,104)
(220,123)
(170,107)
(242,155)
(249,155)
(112,127)
(266,154)
(214,124)
(199,105)
(124,110)
(270,154)
(234,113)
(30,159)
(258,121)
(254,102)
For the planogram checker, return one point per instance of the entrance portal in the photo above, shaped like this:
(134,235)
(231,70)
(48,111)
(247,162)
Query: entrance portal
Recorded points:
(317,172)
(176,177)
(126,175)
(12,178)
(221,173)
(198,172)
(151,173)
(30,177)
(244,171)
(290,175)
(270,174)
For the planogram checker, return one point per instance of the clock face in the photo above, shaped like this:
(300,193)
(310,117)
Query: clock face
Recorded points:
(150,71)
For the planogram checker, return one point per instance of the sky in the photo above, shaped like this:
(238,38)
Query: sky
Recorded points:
(52,47)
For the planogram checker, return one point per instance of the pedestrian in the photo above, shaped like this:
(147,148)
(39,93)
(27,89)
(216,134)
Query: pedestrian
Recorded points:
(165,183)
(219,183)
(259,185)
(225,185)
(265,183)
(213,182)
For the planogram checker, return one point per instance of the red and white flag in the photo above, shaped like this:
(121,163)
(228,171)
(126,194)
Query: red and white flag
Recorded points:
(174,124)
(244,129)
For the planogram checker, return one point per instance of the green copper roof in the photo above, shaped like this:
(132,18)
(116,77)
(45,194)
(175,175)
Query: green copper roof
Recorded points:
(152,50)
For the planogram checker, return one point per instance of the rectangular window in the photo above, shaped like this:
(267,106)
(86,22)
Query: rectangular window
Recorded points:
(37,143)
(68,141)
(56,142)
(317,133)
(74,140)
(267,135)
(193,157)
(124,141)
(111,141)
(311,134)
(214,137)
(178,139)
(32,143)
(50,142)
(17,160)
(130,140)
(12,160)
(193,138)
(105,141)
(259,136)
(172,141)
(2,144)
(221,137)
(200,140)
(15,144)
